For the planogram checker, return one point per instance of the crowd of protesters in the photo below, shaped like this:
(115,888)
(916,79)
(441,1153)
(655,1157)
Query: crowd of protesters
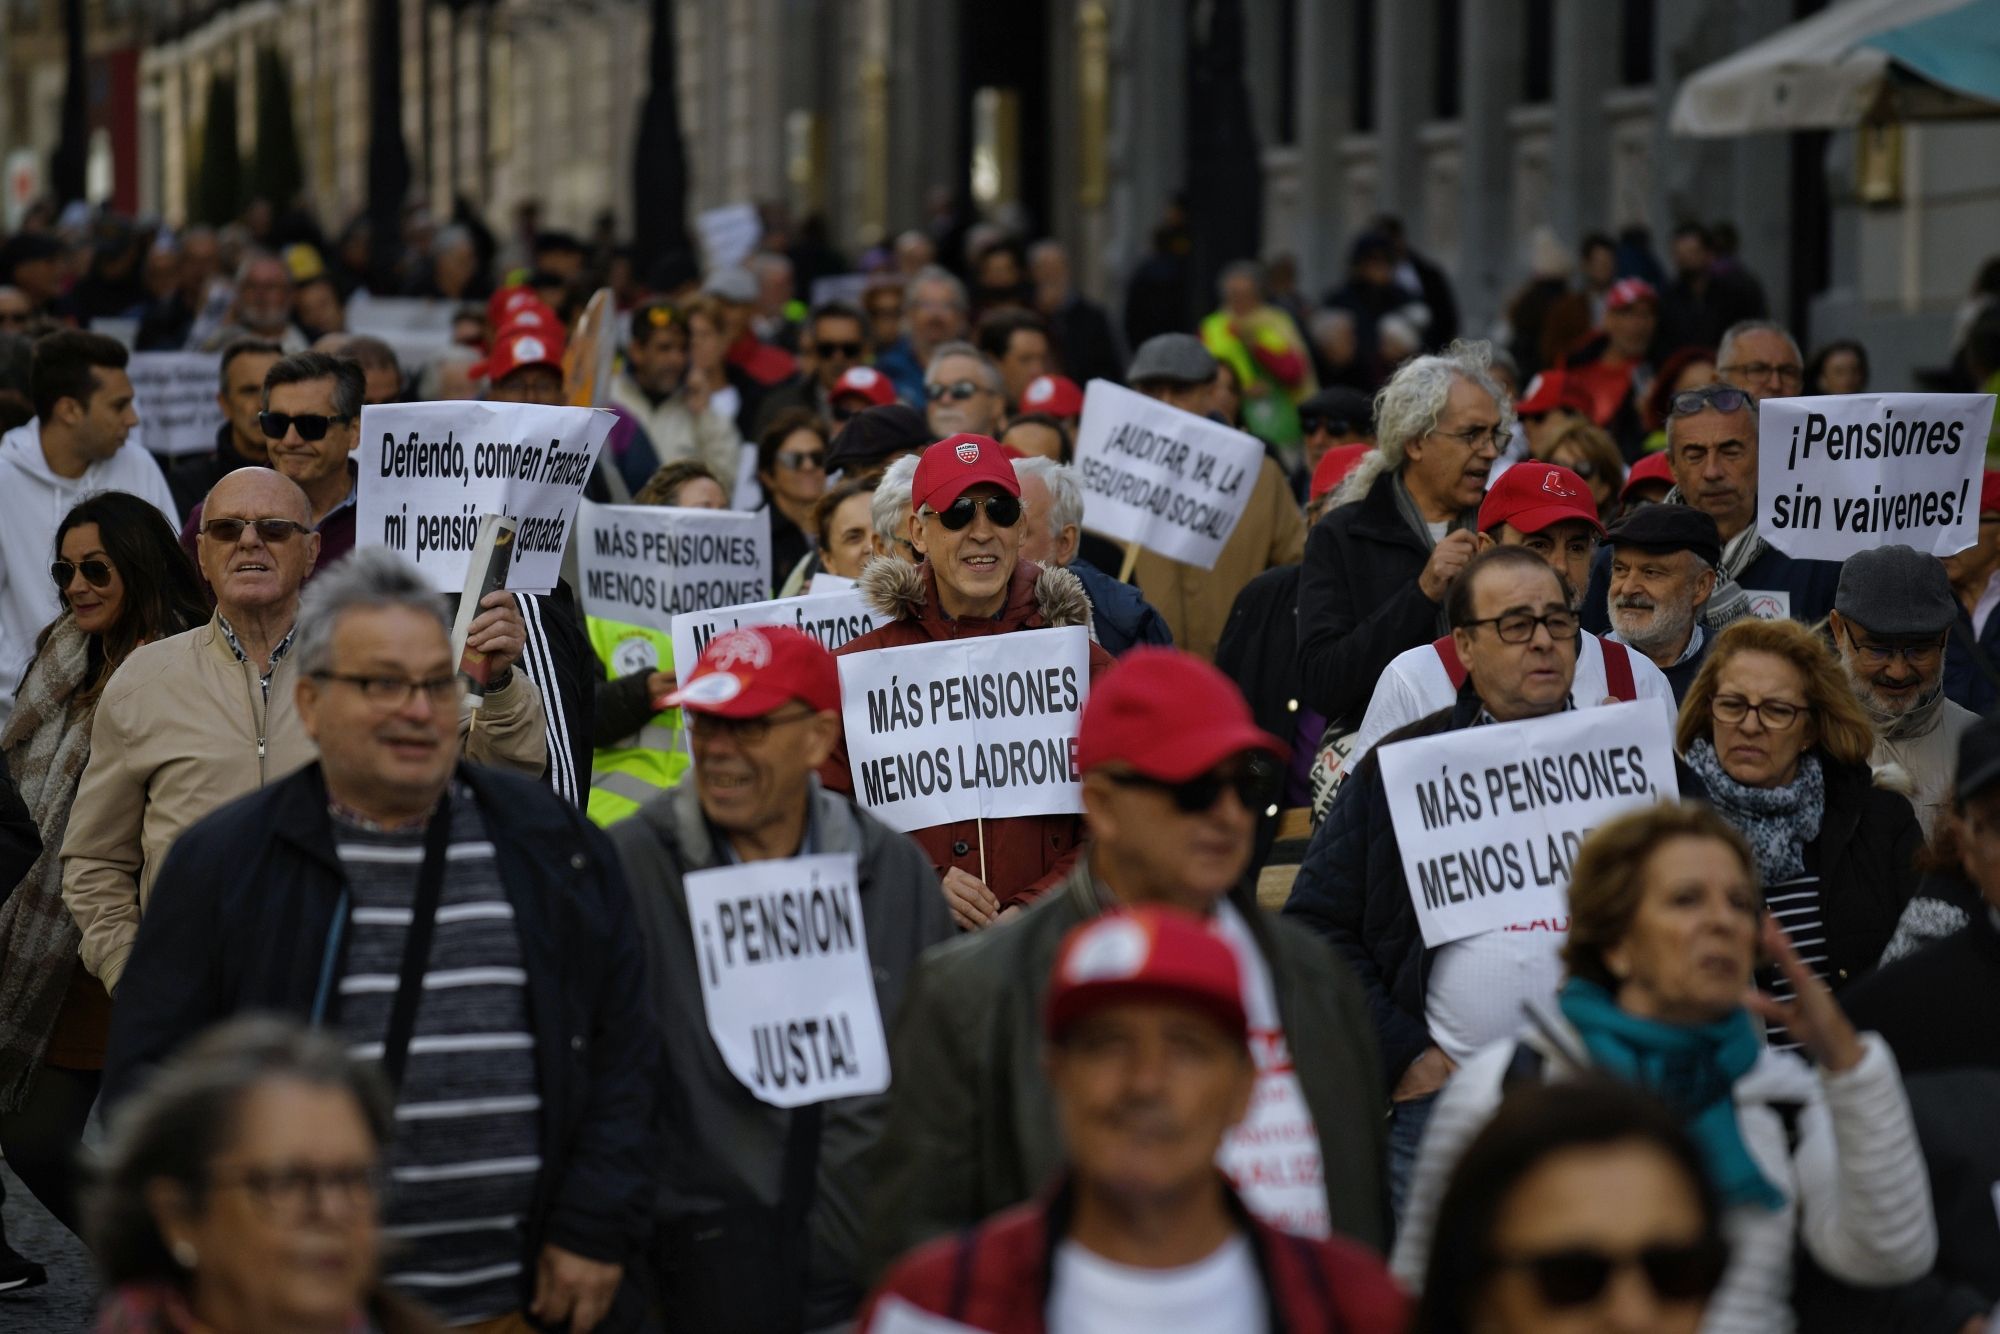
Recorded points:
(328,1002)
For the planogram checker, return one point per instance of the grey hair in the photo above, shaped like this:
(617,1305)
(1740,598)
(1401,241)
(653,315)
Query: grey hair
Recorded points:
(451,238)
(932,273)
(256,257)
(1240,268)
(892,498)
(366,579)
(1408,407)
(1725,351)
(1749,406)
(1065,494)
(958,347)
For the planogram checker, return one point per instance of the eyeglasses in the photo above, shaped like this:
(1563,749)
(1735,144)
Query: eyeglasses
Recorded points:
(1003,510)
(389,693)
(1252,779)
(272,531)
(1474,436)
(845,351)
(96,573)
(1919,656)
(15,319)
(1311,424)
(957,391)
(294,1193)
(798,460)
(1722,397)
(1579,1275)
(1789,372)
(1517,627)
(1776,714)
(310,425)
(1583,468)
(743,731)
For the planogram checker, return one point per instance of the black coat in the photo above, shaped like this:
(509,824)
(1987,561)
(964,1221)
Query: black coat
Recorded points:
(20,840)
(1259,652)
(1934,1008)
(239,919)
(1359,603)
(1866,858)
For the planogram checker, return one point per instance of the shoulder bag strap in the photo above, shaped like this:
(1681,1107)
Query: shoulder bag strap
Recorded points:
(417,944)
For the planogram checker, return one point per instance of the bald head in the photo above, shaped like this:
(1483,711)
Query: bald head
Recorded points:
(269,493)
(256,544)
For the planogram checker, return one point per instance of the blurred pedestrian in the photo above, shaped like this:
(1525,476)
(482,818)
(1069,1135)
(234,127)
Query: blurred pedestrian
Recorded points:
(1760,358)
(964,392)
(1841,367)
(671,402)
(791,469)
(936,311)
(1265,349)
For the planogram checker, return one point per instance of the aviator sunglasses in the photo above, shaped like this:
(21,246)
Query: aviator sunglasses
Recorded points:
(1003,510)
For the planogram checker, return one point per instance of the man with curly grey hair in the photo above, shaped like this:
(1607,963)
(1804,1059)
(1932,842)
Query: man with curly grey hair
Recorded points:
(1403,524)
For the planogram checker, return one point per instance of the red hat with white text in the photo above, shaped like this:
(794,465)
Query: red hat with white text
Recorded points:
(758,669)
(955,464)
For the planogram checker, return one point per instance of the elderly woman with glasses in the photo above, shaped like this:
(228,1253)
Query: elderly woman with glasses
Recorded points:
(1817,1150)
(1774,730)
(239,1192)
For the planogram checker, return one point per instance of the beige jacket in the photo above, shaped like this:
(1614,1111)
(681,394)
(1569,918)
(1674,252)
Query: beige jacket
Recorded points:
(1196,602)
(1922,767)
(182,728)
(677,433)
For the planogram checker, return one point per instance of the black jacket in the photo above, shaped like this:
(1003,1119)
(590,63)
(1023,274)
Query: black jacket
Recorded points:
(1351,889)
(558,658)
(1925,1006)
(239,920)
(1972,664)
(1359,604)
(1866,858)
(20,840)
(1259,652)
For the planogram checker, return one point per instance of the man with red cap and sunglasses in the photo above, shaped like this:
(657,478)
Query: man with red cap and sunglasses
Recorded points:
(1174,773)
(1148,1055)
(969,523)
(751,1235)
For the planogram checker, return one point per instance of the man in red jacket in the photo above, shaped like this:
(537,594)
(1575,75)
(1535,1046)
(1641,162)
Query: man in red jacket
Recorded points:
(970,526)
(1149,1062)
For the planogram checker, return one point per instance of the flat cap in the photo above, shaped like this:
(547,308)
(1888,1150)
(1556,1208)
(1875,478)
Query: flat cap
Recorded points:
(1896,592)
(1663,528)
(875,435)
(1178,357)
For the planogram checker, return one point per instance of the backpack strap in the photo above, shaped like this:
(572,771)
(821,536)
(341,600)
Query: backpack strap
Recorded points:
(1447,652)
(1618,671)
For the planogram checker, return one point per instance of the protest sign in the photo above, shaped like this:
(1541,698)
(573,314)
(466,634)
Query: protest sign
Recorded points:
(728,234)
(1845,473)
(175,393)
(417,329)
(831,618)
(587,359)
(648,564)
(1166,479)
(967,729)
(1489,819)
(783,955)
(428,471)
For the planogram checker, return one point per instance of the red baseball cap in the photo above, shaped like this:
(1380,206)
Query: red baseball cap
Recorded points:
(532,317)
(1550,390)
(868,383)
(1657,467)
(1626,291)
(953,464)
(1531,496)
(758,669)
(1989,492)
(1334,465)
(1056,395)
(516,348)
(1169,715)
(1154,954)
(506,301)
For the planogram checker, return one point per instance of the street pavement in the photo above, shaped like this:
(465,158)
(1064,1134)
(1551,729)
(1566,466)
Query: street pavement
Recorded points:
(67,1301)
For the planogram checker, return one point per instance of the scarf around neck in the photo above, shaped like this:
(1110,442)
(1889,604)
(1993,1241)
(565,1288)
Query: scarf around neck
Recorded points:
(1693,1068)
(1777,821)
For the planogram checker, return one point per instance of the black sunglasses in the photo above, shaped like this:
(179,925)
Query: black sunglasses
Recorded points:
(957,391)
(1310,423)
(96,573)
(1578,1276)
(311,425)
(1254,781)
(851,351)
(230,531)
(1003,510)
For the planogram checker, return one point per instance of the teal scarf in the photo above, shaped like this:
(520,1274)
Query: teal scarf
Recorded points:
(1691,1068)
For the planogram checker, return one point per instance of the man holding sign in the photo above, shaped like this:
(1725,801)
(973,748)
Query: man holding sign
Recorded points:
(749,879)
(969,529)
(1515,633)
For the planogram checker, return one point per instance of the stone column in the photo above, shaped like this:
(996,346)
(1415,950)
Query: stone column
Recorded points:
(1585,68)
(1324,50)
(1404,35)
(1490,85)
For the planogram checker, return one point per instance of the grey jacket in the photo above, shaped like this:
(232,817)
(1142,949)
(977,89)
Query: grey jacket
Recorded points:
(723,1149)
(972,1129)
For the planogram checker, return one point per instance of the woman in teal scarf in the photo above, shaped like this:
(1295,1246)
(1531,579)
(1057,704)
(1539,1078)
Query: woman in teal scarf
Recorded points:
(1666,924)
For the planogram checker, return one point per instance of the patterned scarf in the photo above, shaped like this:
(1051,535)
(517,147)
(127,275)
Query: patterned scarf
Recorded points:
(1778,821)
(46,743)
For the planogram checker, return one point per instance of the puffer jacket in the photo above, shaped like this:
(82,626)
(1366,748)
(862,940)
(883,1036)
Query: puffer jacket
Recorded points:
(1024,855)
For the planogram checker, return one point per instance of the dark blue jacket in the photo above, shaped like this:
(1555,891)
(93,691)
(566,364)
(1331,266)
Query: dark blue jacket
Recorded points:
(1971,663)
(1351,890)
(239,919)
(1119,612)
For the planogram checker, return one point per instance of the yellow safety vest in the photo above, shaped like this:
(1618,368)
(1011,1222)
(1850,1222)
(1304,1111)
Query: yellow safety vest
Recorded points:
(652,759)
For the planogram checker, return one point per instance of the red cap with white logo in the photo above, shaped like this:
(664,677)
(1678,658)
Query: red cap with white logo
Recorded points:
(1629,291)
(758,669)
(1152,954)
(866,382)
(1056,395)
(1531,496)
(951,466)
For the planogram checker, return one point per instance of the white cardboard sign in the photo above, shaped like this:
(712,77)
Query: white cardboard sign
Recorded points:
(649,564)
(967,729)
(1173,482)
(783,955)
(175,394)
(1844,473)
(1489,819)
(429,470)
(831,618)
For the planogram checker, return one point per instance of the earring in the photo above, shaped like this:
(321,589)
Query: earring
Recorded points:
(184,1255)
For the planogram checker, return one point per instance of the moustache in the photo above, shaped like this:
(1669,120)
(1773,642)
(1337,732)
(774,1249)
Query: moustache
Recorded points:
(1636,602)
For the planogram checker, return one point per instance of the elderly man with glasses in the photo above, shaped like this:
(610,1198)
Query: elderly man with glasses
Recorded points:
(1762,359)
(964,392)
(209,715)
(1712,451)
